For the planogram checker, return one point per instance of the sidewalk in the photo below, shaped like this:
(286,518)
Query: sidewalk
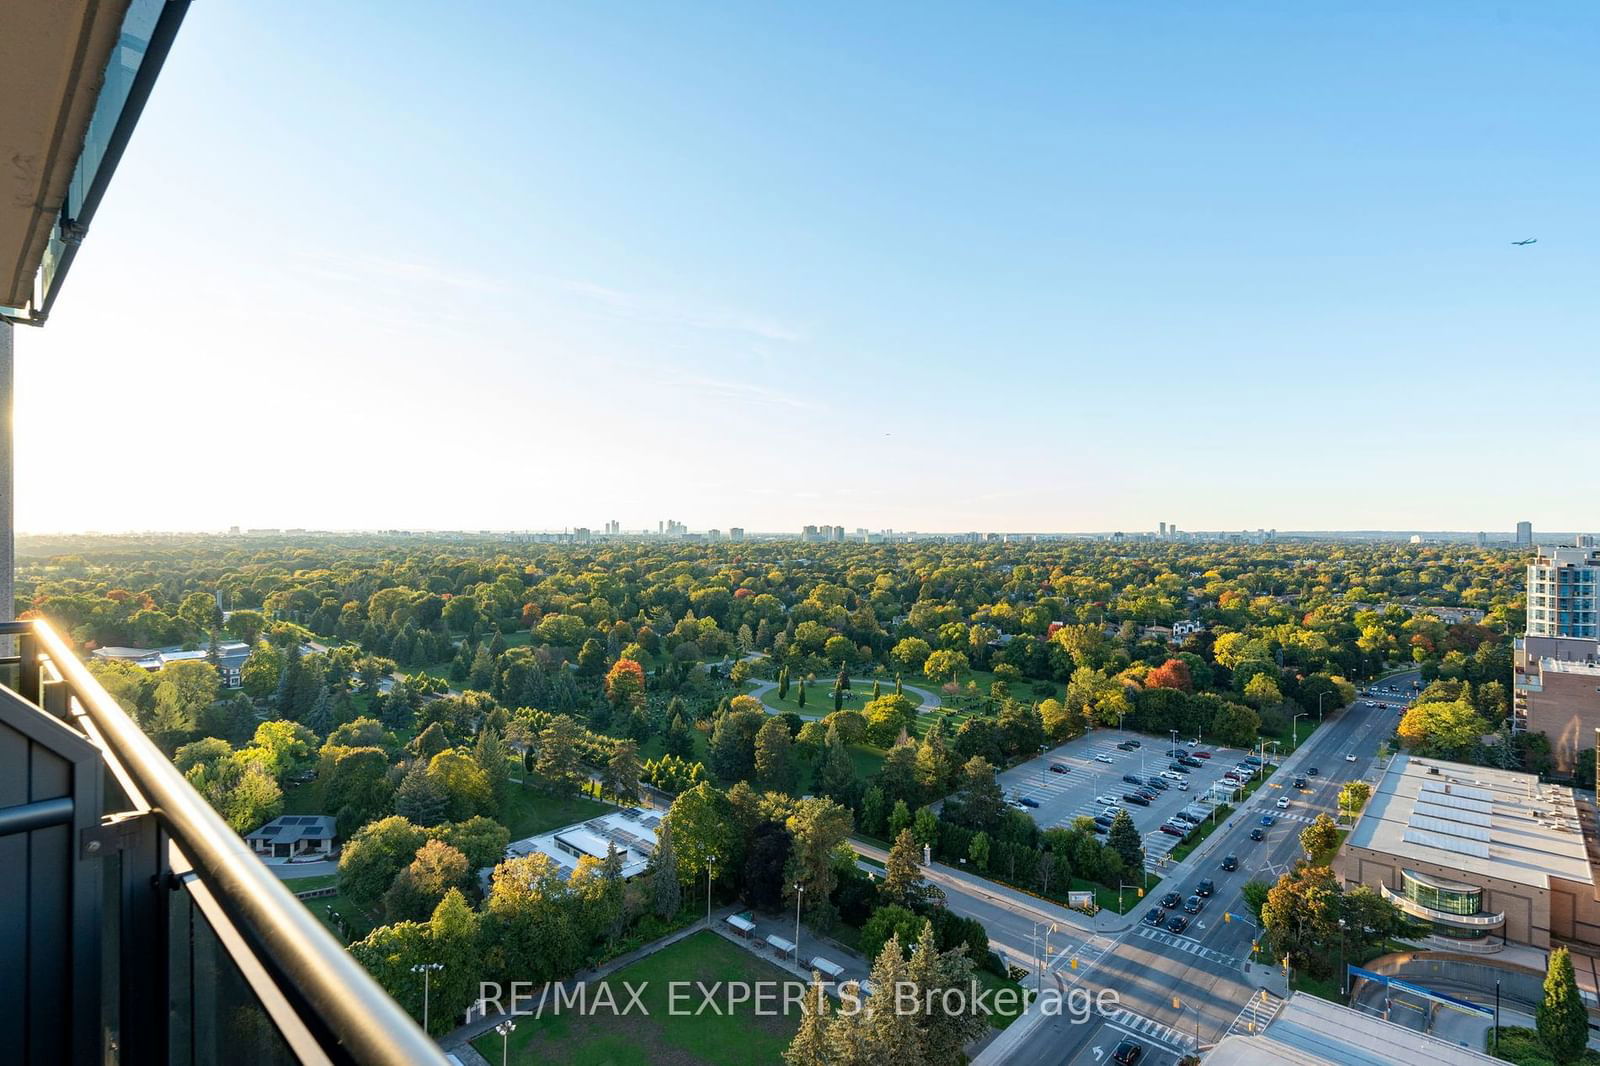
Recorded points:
(1105,921)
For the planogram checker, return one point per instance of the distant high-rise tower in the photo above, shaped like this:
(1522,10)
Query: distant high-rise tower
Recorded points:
(1163,531)
(1524,534)
(1483,538)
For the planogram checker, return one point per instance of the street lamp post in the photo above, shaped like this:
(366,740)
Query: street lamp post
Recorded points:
(799,890)
(426,969)
(1294,727)
(1344,977)
(504,1029)
(711,861)
(1320,697)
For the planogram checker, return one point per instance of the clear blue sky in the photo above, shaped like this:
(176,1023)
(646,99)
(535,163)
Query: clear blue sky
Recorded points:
(1058,266)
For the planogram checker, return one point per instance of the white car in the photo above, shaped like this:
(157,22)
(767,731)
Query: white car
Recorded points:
(1102,757)
(1349,758)
(1106,801)
(1283,804)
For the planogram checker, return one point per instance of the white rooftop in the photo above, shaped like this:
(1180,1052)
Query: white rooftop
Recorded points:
(632,832)
(1475,819)
(1314,1032)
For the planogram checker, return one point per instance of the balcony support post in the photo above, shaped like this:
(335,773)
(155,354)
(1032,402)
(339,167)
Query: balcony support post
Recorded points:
(8,536)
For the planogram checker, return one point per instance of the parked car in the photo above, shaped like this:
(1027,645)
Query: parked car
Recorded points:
(1171,900)
(1124,746)
(1178,768)
(1133,779)
(1172,775)
(1135,798)
(1059,768)
(1154,916)
(1230,862)
(1127,1053)
(1029,801)
(1256,834)
(1174,829)
(1101,756)
(1134,743)
(1101,830)
(1156,782)
(1182,786)
(1205,888)
(1202,755)
(1102,820)
(1106,800)
(1112,811)
(1177,923)
(1193,904)
(1191,761)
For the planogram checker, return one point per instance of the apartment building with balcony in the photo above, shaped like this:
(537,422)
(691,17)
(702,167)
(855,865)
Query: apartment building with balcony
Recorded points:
(1564,593)
(1480,856)
(135,926)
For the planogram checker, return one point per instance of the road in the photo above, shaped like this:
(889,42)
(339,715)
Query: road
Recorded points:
(1207,968)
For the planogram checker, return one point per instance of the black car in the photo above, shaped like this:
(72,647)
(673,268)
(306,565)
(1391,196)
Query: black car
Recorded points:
(1154,916)
(1179,767)
(1190,760)
(1099,829)
(1175,753)
(1124,746)
(1193,904)
(1058,768)
(1127,1053)
(1028,801)
(1102,819)
(1135,798)
(1300,782)
(1133,779)
(1204,888)
(1133,743)
(1156,782)
(1312,772)
(1171,900)
(1256,834)
(1177,923)
(1230,862)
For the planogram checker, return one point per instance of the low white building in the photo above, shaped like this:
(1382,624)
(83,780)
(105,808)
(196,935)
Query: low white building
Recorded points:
(631,832)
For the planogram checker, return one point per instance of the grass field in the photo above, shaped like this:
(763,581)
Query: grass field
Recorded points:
(660,1038)
(819,697)
(529,811)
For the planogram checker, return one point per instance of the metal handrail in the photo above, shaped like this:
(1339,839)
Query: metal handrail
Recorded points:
(345,1004)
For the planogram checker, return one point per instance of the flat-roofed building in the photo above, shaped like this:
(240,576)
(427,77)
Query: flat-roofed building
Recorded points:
(1483,856)
(1308,1031)
(631,832)
(1555,690)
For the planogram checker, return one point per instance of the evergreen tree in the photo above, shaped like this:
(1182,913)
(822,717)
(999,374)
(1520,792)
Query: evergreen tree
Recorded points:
(1124,840)
(897,688)
(481,677)
(460,666)
(837,778)
(419,800)
(800,697)
(320,719)
(763,635)
(877,689)
(678,740)
(838,699)
(497,644)
(666,894)
(214,652)
(842,682)
(289,682)
(1562,1019)
(783,681)
(810,1045)
(902,875)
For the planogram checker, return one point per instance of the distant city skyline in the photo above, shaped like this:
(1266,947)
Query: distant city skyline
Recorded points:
(1047,268)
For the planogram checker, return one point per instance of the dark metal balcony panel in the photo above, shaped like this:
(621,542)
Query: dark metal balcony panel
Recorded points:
(49,916)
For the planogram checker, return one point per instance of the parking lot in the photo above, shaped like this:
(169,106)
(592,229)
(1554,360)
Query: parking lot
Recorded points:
(1095,768)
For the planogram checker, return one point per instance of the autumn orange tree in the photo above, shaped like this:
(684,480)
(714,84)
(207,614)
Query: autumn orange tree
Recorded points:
(625,685)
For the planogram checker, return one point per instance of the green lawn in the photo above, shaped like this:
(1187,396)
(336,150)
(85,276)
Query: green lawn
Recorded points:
(659,1037)
(530,811)
(357,922)
(819,697)
(311,884)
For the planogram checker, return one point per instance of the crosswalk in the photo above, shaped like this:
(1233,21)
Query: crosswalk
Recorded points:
(1189,946)
(1262,1008)
(1132,1024)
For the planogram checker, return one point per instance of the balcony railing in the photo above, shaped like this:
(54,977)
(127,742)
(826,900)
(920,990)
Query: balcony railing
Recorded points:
(1419,910)
(135,926)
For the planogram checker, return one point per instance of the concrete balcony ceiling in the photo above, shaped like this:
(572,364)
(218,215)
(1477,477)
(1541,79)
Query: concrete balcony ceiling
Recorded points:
(53,56)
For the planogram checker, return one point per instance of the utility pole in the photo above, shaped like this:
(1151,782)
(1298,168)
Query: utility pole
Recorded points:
(8,515)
